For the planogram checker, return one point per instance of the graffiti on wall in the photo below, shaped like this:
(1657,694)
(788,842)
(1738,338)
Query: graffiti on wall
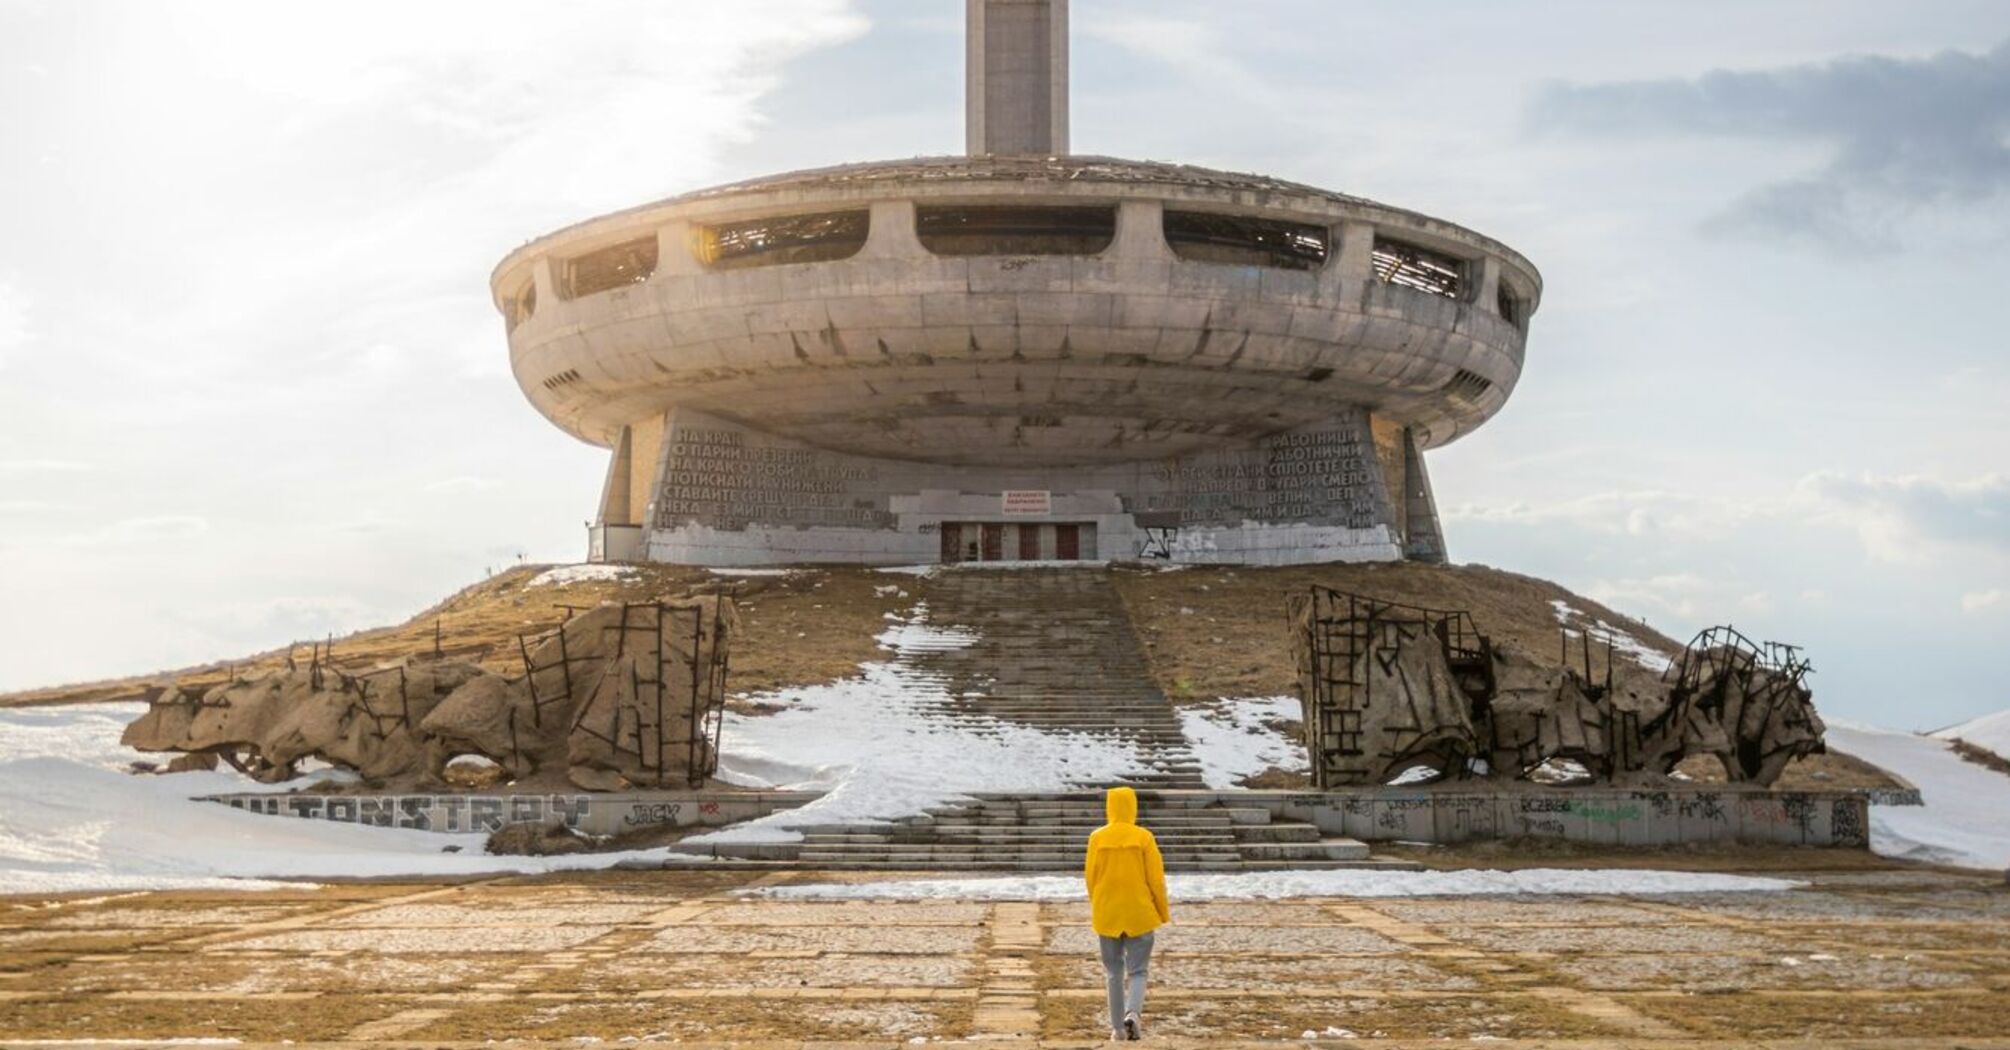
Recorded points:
(460,813)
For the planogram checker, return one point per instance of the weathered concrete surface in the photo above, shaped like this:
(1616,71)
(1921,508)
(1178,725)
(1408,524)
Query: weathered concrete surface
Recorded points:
(1598,816)
(1015,81)
(730,495)
(952,351)
(1868,957)
(608,813)
(1390,690)
(1040,368)
(624,695)
(1440,814)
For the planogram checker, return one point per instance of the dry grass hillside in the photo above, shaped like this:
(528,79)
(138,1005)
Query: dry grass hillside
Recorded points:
(1213,632)
(1222,632)
(805,627)
(1208,633)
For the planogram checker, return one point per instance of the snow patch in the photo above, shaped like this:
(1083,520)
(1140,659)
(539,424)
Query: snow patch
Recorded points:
(72,820)
(1233,738)
(1965,818)
(566,574)
(883,745)
(1601,632)
(1273,885)
(753,572)
(1989,732)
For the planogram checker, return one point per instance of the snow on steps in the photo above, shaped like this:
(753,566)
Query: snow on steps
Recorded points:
(1051,649)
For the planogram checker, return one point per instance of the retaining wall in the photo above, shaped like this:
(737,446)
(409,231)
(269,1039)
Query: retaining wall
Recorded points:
(1600,816)
(607,814)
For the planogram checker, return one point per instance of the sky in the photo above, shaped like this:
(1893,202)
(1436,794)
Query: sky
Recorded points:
(252,388)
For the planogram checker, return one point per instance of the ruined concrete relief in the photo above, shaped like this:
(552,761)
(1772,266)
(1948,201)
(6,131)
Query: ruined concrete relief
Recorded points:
(1390,690)
(624,695)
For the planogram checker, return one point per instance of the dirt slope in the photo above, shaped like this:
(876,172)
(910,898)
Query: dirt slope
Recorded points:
(1214,632)
(1210,633)
(805,627)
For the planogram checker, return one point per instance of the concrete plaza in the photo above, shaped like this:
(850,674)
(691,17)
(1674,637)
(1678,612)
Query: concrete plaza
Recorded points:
(1864,955)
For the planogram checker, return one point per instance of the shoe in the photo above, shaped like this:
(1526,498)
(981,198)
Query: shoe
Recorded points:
(1131,1028)
(1116,1035)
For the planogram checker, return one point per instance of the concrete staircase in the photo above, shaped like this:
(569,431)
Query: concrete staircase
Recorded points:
(1049,832)
(1054,649)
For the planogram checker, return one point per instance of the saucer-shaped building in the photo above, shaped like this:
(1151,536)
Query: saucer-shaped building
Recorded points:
(1018,354)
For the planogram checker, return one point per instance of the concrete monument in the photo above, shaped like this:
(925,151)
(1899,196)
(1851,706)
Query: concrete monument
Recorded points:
(1020,353)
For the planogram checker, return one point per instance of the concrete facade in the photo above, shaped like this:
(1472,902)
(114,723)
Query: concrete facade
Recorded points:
(1016,77)
(1139,348)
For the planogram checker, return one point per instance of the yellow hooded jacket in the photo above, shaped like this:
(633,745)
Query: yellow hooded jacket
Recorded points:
(1126,875)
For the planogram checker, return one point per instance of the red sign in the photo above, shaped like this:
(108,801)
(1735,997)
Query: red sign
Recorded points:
(1028,501)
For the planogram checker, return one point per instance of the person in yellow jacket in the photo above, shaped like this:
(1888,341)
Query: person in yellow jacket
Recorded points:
(1127,901)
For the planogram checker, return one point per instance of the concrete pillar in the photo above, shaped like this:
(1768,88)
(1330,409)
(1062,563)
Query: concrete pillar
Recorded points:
(1356,251)
(1488,282)
(1015,81)
(891,235)
(615,504)
(645,456)
(661,430)
(1424,538)
(674,257)
(1350,257)
(542,278)
(1141,232)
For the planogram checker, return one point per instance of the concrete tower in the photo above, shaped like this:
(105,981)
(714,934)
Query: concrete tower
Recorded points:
(1018,353)
(1015,82)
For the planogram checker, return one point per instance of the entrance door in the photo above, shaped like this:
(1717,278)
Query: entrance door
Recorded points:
(1068,542)
(1029,542)
(952,543)
(994,542)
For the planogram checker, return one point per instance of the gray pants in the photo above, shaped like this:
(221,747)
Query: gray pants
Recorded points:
(1125,960)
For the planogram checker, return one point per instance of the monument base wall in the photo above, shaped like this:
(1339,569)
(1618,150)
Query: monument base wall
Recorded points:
(1443,815)
(730,495)
(594,814)
(1594,816)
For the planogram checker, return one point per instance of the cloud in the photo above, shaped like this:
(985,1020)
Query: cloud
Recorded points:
(1631,512)
(463,484)
(44,466)
(292,617)
(1681,596)
(1898,519)
(150,530)
(1985,601)
(1918,519)
(1193,46)
(1907,135)
(13,320)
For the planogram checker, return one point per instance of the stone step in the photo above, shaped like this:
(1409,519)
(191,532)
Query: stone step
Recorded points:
(914,854)
(1325,849)
(1018,841)
(1165,818)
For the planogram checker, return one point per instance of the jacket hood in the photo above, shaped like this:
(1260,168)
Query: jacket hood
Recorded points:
(1121,806)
